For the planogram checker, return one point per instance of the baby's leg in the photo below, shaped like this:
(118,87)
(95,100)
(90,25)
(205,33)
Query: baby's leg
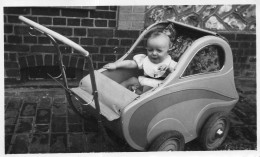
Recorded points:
(133,81)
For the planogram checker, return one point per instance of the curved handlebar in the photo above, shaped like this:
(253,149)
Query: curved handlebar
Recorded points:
(55,35)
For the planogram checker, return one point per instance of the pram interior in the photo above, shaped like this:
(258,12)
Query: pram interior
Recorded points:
(113,97)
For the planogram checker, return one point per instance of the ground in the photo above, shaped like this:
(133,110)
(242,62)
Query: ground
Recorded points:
(39,120)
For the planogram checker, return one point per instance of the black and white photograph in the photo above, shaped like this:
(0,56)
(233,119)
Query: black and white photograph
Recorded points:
(116,78)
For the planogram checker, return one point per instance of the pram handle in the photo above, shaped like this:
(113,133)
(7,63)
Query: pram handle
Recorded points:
(55,35)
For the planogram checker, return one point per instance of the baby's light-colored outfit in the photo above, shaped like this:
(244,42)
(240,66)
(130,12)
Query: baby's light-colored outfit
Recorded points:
(153,73)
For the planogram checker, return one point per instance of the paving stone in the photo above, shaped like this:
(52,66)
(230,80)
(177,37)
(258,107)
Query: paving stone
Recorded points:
(45,102)
(8,139)
(14,103)
(58,124)
(39,143)
(29,109)
(59,109)
(9,129)
(10,121)
(20,144)
(42,128)
(24,125)
(11,113)
(31,99)
(58,143)
(75,128)
(73,117)
(59,99)
(77,143)
(43,116)
(90,125)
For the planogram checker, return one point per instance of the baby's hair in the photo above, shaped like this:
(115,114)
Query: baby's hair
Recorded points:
(157,34)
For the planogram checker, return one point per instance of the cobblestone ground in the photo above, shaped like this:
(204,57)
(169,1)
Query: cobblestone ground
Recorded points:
(40,121)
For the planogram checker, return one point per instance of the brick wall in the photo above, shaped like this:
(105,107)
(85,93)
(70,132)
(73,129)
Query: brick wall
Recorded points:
(95,30)
(105,32)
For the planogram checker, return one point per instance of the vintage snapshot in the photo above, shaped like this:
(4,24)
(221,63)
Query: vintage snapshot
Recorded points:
(129,78)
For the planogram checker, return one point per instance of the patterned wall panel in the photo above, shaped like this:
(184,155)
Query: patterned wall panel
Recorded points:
(211,17)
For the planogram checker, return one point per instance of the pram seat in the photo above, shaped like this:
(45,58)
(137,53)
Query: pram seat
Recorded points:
(113,97)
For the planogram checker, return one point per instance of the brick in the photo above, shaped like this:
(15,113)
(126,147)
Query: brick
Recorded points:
(97,57)
(138,9)
(22,62)
(17,48)
(8,28)
(131,17)
(86,41)
(21,30)
(39,143)
(87,22)
(127,34)
(14,39)
(229,36)
(126,9)
(13,56)
(16,10)
(30,39)
(12,65)
(100,32)
(40,48)
(113,42)
(244,45)
(91,49)
(137,25)
(65,60)
(31,60)
(45,20)
(12,72)
(125,25)
(110,58)
(112,23)
(43,40)
(100,41)
(46,11)
(113,8)
(102,8)
(59,21)
(105,50)
(58,124)
(6,56)
(234,44)
(252,59)
(13,19)
(101,23)
(65,49)
(74,13)
(58,142)
(73,61)
(243,37)
(73,22)
(39,60)
(80,63)
(63,31)
(80,32)
(76,40)
(126,42)
(48,60)
(103,14)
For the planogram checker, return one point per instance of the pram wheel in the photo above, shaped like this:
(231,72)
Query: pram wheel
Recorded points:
(214,131)
(168,141)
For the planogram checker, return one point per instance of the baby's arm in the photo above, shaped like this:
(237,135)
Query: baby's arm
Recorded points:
(129,64)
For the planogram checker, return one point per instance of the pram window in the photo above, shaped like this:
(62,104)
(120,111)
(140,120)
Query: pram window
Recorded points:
(208,59)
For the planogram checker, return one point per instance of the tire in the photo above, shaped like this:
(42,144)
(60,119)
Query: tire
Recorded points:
(168,141)
(215,131)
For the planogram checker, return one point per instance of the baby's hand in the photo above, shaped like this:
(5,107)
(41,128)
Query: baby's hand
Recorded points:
(110,66)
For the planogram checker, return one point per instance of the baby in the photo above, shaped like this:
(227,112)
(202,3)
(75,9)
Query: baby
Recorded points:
(157,64)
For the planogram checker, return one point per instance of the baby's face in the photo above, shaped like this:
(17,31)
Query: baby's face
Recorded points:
(157,48)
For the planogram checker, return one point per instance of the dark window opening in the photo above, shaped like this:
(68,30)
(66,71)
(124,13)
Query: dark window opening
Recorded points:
(41,72)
